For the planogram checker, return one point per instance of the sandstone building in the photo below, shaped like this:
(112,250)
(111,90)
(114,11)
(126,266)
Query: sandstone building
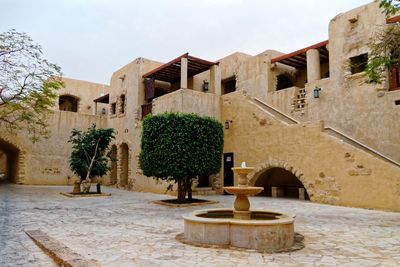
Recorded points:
(306,120)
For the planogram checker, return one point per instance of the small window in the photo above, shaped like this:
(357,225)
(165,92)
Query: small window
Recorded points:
(228,85)
(122,104)
(113,108)
(358,63)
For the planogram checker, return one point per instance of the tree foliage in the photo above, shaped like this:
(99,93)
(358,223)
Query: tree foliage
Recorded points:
(390,7)
(90,151)
(27,84)
(384,46)
(179,147)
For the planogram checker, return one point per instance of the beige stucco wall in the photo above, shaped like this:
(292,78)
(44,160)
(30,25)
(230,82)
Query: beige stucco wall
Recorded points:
(333,172)
(46,161)
(128,81)
(86,92)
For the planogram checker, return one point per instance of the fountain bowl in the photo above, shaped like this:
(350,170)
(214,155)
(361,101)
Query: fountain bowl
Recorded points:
(247,190)
(264,231)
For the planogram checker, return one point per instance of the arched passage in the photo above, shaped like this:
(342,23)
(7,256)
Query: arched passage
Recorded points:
(124,161)
(113,174)
(278,182)
(9,161)
(68,103)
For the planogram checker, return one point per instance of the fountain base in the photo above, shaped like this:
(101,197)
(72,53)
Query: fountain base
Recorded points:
(264,230)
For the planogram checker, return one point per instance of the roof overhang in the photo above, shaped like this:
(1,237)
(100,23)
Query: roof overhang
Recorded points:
(171,71)
(298,59)
(103,99)
(394,19)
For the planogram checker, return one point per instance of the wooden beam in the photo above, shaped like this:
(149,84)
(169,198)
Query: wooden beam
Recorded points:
(301,51)
(393,19)
(172,62)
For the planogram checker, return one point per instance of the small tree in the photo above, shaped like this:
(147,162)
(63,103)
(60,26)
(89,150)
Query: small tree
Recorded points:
(384,46)
(27,84)
(179,147)
(90,152)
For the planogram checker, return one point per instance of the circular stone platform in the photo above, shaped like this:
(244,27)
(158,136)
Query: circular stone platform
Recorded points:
(265,231)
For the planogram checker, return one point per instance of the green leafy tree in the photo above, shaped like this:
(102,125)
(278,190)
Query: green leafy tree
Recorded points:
(90,152)
(28,84)
(179,147)
(384,46)
(390,7)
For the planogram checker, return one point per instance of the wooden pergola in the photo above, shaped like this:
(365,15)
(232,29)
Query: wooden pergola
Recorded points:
(298,59)
(177,70)
(173,70)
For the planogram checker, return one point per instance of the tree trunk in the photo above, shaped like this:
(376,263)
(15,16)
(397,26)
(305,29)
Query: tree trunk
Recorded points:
(92,161)
(181,193)
(189,188)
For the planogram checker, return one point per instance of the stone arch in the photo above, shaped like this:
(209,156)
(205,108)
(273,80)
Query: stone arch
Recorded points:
(263,168)
(15,160)
(123,161)
(68,102)
(114,171)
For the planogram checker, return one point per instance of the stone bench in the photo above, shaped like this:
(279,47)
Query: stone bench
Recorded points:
(279,191)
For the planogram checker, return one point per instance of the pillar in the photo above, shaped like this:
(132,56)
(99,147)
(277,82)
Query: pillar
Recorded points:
(95,108)
(215,80)
(184,72)
(302,193)
(313,65)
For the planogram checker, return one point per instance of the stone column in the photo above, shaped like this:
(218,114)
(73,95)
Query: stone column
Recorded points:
(215,80)
(313,65)
(184,72)
(302,193)
(95,108)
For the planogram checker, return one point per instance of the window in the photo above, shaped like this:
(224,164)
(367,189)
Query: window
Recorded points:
(358,63)
(113,108)
(122,104)
(228,85)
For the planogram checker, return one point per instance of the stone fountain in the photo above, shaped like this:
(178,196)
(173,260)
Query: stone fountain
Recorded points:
(241,227)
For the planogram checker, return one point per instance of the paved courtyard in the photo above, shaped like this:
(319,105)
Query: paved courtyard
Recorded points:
(128,230)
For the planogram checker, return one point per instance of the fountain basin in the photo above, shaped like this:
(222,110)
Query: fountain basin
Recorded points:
(264,231)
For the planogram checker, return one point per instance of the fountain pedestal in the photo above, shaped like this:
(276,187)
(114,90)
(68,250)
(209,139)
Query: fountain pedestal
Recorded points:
(242,191)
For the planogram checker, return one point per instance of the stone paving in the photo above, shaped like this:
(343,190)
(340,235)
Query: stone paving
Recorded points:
(126,229)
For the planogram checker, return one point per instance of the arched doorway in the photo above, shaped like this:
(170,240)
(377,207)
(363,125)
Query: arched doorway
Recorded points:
(124,161)
(9,155)
(68,103)
(113,174)
(278,182)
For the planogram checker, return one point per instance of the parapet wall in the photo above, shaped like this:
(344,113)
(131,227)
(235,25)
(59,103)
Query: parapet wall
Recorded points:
(188,101)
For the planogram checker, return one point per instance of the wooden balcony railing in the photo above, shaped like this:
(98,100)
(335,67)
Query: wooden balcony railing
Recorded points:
(146,109)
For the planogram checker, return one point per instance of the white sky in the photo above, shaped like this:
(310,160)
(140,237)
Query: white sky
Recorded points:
(90,39)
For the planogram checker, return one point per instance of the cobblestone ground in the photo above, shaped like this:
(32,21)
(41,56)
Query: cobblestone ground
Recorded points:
(128,230)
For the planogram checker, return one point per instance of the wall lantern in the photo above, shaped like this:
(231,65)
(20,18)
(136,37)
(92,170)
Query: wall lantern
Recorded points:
(227,124)
(205,85)
(316,91)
